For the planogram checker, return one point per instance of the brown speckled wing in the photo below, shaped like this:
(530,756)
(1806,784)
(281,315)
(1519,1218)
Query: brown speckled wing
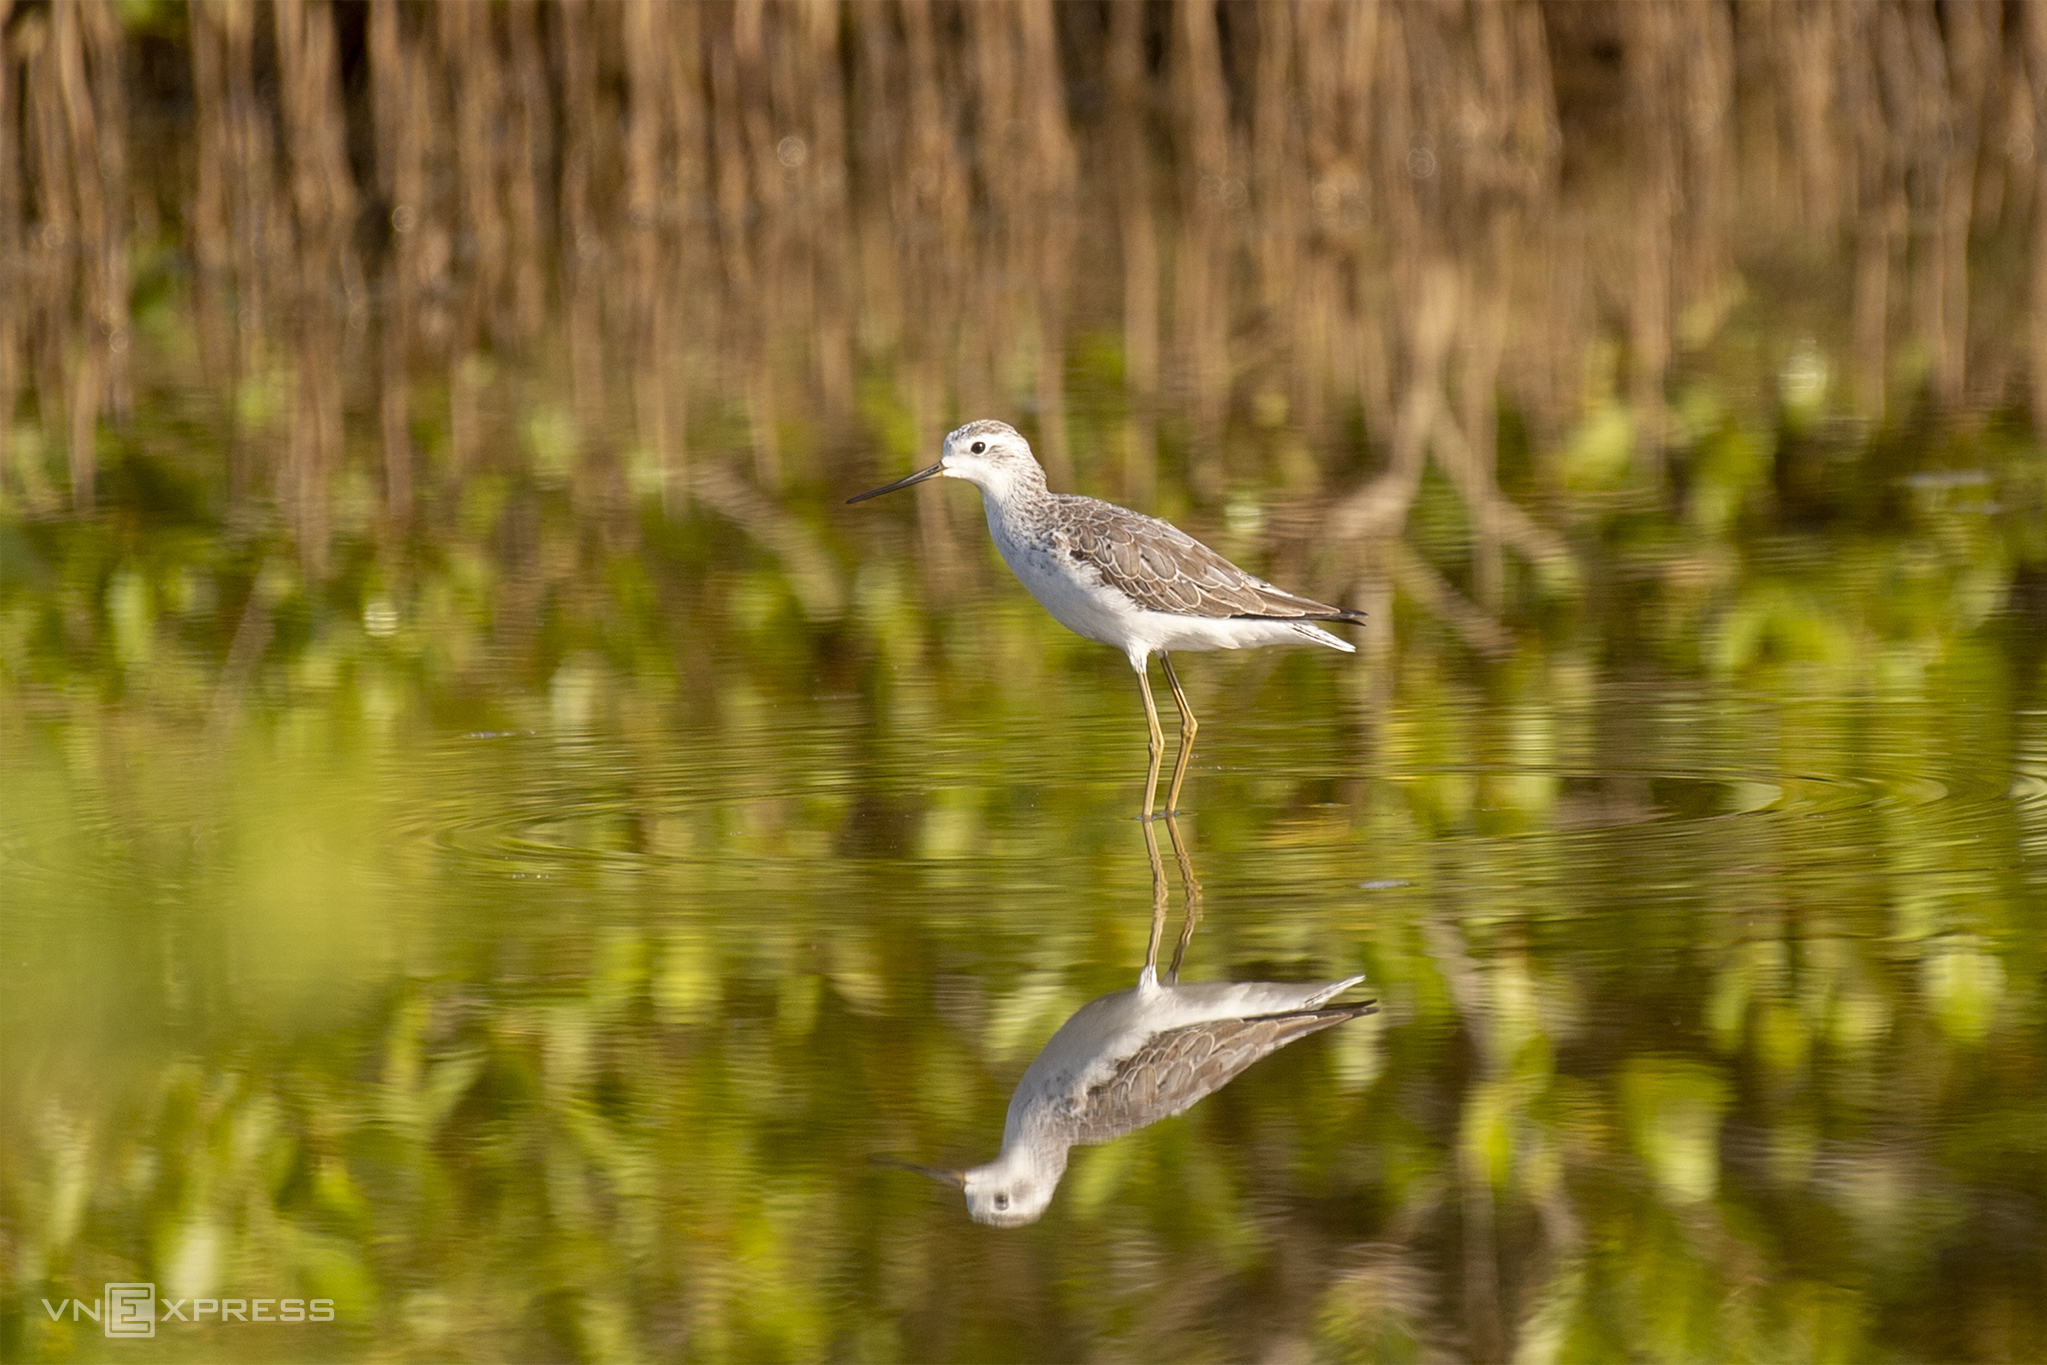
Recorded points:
(1163,568)
(1180,1066)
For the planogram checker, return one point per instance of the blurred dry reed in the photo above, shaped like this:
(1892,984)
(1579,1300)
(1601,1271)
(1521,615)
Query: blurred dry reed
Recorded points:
(726,223)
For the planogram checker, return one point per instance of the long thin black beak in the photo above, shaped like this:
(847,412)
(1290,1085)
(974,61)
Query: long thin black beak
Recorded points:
(957,1179)
(917,477)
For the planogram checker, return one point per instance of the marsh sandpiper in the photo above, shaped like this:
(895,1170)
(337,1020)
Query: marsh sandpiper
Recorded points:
(1117,576)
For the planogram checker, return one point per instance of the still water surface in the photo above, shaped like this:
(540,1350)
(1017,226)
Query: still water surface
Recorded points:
(1710,1010)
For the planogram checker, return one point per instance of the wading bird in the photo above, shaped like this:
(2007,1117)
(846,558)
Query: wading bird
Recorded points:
(1120,577)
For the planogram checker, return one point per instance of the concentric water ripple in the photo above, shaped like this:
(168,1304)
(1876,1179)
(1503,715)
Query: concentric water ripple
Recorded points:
(557,803)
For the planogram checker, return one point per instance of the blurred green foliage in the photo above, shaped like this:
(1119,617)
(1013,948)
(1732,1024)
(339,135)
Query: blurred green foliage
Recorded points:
(523,933)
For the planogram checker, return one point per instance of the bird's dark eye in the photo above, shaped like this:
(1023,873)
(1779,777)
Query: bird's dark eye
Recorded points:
(980,447)
(1001,1201)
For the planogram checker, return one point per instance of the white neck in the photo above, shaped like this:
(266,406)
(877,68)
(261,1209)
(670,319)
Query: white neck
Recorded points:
(1028,1154)
(1011,482)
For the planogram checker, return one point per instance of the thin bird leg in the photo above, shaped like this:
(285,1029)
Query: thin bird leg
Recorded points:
(1188,726)
(1158,742)
(1159,896)
(1192,886)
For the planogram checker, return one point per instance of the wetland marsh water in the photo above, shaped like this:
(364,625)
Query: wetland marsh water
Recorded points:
(565,1018)
(489,840)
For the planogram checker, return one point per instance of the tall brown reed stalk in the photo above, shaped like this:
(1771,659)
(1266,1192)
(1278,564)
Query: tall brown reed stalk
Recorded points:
(401,126)
(1129,162)
(2030,99)
(67,227)
(326,284)
(11,247)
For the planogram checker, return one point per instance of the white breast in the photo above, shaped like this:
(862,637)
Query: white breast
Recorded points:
(1082,605)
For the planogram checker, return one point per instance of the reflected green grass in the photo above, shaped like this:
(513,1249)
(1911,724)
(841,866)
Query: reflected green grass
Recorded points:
(540,986)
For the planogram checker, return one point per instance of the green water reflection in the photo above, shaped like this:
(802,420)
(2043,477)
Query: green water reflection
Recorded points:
(540,986)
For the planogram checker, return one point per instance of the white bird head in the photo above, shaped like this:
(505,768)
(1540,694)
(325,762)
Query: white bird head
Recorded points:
(993,456)
(1008,1192)
(1014,1188)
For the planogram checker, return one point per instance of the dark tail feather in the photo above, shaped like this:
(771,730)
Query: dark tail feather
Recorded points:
(1341,615)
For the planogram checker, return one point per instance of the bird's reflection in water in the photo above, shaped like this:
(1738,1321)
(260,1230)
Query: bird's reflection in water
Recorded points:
(1135,1056)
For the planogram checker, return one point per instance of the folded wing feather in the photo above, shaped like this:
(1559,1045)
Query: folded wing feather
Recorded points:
(1163,568)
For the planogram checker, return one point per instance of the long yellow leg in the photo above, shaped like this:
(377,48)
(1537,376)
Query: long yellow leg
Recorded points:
(1158,742)
(1188,727)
